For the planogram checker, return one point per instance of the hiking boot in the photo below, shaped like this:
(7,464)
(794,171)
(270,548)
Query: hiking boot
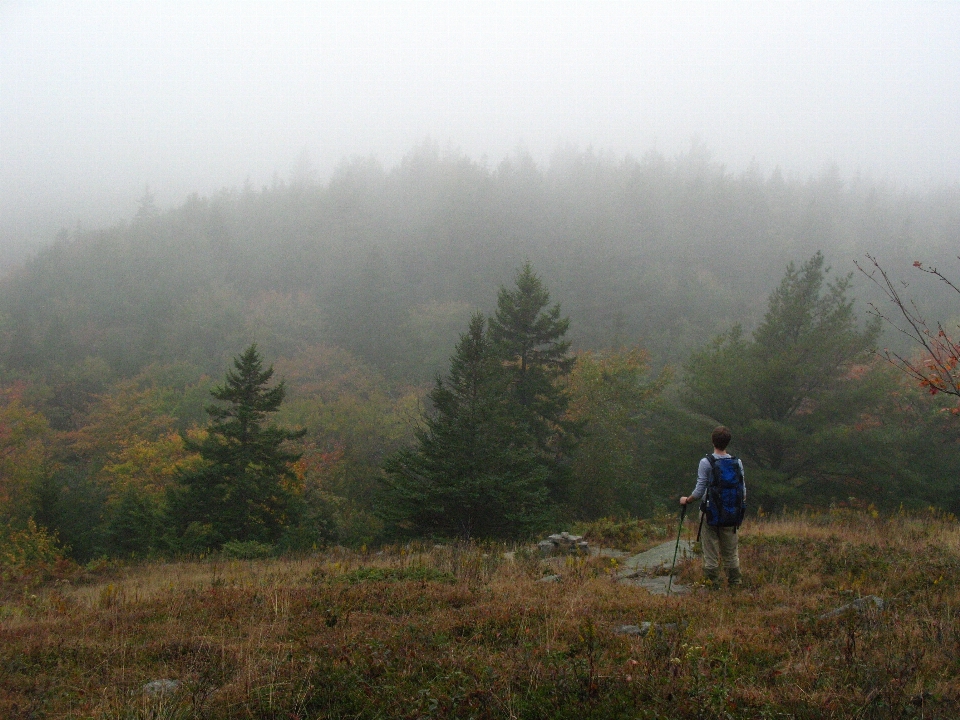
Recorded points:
(711,578)
(734,578)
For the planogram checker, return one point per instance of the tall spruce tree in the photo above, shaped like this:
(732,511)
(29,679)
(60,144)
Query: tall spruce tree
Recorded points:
(527,335)
(237,492)
(474,471)
(788,392)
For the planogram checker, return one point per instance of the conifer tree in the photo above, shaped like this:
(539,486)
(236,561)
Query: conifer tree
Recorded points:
(527,335)
(786,392)
(237,493)
(474,471)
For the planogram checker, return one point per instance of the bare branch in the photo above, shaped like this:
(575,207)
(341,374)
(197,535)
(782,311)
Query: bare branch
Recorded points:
(940,354)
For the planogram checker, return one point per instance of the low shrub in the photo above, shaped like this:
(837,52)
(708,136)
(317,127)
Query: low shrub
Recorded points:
(30,552)
(395,574)
(623,533)
(247,550)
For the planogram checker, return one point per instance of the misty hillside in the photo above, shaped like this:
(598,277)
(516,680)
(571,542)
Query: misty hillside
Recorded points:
(359,292)
(316,318)
(389,263)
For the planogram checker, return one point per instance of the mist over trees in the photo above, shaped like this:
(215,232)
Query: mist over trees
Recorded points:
(694,296)
(389,264)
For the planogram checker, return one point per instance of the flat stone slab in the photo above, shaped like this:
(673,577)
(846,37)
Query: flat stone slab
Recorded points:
(609,552)
(641,570)
(656,585)
(659,556)
(645,628)
(860,605)
(161,687)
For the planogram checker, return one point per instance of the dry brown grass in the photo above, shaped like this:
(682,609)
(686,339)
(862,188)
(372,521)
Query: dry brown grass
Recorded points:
(461,632)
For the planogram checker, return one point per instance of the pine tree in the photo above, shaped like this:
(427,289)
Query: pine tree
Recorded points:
(134,524)
(237,493)
(474,472)
(528,337)
(787,392)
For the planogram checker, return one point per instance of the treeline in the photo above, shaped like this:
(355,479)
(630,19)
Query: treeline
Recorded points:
(390,264)
(356,292)
(518,435)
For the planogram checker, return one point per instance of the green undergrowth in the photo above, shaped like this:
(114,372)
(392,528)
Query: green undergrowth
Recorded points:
(630,534)
(390,574)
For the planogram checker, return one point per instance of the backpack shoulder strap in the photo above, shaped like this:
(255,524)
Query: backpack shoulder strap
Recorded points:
(713,468)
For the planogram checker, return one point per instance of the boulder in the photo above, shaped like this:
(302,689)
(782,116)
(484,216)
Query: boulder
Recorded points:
(161,688)
(859,606)
(644,628)
(563,544)
(546,547)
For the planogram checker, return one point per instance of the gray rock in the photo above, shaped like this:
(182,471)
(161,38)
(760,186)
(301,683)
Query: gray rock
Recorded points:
(663,628)
(563,543)
(609,553)
(640,630)
(654,585)
(644,628)
(860,605)
(546,548)
(161,687)
(550,579)
(660,557)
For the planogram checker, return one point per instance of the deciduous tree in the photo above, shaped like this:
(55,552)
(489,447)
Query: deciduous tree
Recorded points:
(24,453)
(610,395)
(937,369)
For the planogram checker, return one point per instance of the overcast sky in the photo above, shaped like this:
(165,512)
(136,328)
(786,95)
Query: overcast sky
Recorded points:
(100,99)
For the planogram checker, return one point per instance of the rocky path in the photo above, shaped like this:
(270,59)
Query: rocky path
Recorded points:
(651,569)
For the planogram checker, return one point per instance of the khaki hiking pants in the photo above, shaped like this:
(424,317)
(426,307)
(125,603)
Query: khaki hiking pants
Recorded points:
(719,545)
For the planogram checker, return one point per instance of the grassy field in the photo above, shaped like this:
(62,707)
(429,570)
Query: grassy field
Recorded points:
(463,632)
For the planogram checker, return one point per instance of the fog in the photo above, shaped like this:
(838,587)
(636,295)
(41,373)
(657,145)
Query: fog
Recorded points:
(100,99)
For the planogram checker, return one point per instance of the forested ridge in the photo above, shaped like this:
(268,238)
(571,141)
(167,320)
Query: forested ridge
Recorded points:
(357,289)
(389,264)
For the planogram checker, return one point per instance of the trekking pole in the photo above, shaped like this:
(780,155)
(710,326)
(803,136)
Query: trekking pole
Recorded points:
(683,512)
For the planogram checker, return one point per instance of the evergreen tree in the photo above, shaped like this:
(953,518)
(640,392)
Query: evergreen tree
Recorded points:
(528,338)
(133,525)
(791,392)
(474,472)
(238,491)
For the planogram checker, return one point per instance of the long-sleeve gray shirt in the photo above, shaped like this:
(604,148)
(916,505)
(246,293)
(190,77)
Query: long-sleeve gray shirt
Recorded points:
(705,474)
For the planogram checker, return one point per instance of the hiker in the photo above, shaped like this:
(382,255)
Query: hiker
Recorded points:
(720,484)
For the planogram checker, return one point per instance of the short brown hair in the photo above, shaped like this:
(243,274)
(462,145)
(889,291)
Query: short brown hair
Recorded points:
(721,437)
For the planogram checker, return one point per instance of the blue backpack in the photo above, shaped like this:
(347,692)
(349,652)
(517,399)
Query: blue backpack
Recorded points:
(725,500)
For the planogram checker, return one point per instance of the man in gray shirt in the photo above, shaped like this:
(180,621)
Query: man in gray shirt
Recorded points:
(719,543)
